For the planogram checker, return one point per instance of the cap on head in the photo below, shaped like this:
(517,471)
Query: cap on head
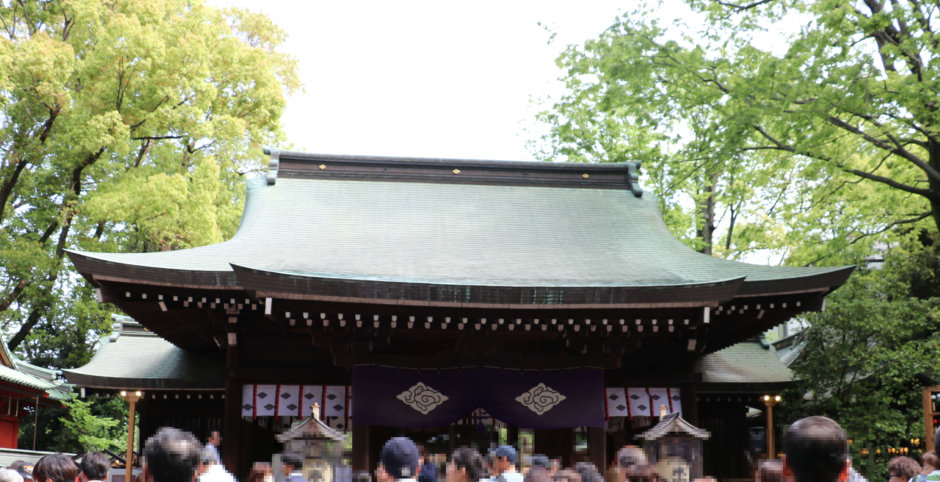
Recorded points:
(399,458)
(631,455)
(507,452)
(541,460)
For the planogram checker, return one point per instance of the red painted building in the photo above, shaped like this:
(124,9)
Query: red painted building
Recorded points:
(23,388)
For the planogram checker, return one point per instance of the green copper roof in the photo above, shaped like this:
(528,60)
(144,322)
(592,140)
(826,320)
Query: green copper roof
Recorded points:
(395,226)
(745,362)
(134,358)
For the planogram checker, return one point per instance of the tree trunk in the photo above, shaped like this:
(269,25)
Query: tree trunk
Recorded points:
(707,229)
(933,148)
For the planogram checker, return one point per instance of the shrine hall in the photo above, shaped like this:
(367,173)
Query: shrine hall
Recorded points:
(446,300)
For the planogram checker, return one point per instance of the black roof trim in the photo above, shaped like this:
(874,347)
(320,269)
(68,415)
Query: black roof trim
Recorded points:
(287,164)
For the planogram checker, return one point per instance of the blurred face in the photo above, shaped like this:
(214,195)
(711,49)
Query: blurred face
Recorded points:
(215,438)
(381,475)
(453,474)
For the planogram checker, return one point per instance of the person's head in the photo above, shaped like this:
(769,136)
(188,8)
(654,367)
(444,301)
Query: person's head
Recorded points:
(214,438)
(55,468)
(291,462)
(95,466)
(901,469)
(541,461)
(10,475)
(566,475)
(171,455)
(537,474)
(628,456)
(588,472)
(422,454)
(398,460)
(815,450)
(25,470)
(488,463)
(929,461)
(505,458)
(258,472)
(642,473)
(207,459)
(769,471)
(466,465)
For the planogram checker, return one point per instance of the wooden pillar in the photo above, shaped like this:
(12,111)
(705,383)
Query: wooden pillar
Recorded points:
(597,447)
(231,421)
(360,449)
(929,427)
(688,395)
(512,436)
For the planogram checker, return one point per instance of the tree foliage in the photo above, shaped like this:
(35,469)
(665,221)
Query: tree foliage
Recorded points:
(869,355)
(124,125)
(92,432)
(827,142)
(78,426)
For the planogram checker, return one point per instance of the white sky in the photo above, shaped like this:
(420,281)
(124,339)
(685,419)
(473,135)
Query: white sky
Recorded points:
(426,78)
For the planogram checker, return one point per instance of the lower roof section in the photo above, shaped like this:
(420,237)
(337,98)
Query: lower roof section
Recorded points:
(744,367)
(134,358)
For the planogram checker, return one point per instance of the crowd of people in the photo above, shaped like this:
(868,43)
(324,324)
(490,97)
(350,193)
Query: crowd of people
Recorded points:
(815,450)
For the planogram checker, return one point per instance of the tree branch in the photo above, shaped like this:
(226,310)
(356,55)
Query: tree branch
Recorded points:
(891,225)
(747,6)
(898,150)
(155,138)
(887,180)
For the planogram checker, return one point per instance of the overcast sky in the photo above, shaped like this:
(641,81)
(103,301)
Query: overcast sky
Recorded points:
(426,78)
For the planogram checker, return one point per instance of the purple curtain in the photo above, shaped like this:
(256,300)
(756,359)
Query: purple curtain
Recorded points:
(404,397)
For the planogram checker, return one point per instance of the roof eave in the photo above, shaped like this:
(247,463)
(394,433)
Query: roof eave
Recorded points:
(97,270)
(273,284)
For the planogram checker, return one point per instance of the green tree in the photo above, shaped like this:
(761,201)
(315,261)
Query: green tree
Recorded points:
(92,432)
(827,143)
(96,423)
(869,355)
(124,125)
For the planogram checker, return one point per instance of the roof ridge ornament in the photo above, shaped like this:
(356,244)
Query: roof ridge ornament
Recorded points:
(273,164)
(633,178)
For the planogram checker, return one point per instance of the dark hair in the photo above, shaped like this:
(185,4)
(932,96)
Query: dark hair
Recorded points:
(95,466)
(566,475)
(588,472)
(292,459)
(930,458)
(537,474)
(172,455)
(816,449)
(642,473)
(55,467)
(769,471)
(902,466)
(470,460)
